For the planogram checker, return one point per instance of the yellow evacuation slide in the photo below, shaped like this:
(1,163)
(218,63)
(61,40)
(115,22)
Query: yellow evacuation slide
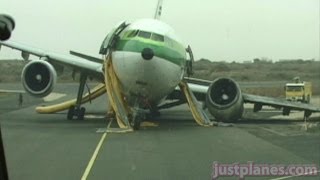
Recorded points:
(197,112)
(115,97)
(96,92)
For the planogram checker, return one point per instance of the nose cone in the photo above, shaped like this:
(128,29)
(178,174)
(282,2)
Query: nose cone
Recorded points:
(147,54)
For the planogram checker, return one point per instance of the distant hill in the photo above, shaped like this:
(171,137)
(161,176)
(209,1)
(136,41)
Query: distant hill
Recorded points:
(262,72)
(10,71)
(258,71)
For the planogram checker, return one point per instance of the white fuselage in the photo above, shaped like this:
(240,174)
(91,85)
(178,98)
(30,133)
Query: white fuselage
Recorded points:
(152,80)
(149,81)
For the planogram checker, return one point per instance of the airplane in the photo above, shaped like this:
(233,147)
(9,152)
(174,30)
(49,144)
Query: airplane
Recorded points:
(143,64)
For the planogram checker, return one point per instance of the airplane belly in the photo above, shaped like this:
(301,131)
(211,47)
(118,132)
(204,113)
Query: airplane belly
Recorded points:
(150,79)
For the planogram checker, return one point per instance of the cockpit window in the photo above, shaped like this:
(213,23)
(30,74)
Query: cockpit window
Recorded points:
(144,34)
(157,37)
(132,33)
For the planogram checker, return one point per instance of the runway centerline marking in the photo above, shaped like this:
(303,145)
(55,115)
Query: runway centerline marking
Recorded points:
(95,154)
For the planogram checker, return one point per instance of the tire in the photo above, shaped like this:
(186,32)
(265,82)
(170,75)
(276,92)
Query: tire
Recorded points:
(81,113)
(308,99)
(136,124)
(70,113)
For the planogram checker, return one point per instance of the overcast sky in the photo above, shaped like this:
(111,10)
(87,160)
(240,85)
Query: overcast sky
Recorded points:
(231,30)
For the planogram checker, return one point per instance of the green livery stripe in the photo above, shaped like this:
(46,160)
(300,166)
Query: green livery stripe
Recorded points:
(168,50)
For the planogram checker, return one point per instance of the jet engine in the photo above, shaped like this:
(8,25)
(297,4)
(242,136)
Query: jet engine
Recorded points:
(224,100)
(38,78)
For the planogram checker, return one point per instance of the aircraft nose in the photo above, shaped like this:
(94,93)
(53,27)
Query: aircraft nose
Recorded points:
(147,53)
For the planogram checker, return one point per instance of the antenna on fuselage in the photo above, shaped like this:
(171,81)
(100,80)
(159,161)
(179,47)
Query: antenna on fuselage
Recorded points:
(157,15)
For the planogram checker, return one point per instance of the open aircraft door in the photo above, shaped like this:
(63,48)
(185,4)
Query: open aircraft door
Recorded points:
(111,39)
(190,61)
(116,100)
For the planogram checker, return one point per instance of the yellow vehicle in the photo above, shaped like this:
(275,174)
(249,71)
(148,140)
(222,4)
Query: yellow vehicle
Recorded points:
(299,91)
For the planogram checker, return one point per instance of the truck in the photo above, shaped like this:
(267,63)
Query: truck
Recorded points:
(298,91)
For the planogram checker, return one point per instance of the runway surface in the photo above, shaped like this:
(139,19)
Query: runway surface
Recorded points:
(41,146)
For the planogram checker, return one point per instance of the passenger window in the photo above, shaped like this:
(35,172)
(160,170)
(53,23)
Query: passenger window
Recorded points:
(157,37)
(132,33)
(144,34)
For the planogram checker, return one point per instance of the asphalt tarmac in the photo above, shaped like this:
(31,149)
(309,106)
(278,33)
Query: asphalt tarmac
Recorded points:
(42,146)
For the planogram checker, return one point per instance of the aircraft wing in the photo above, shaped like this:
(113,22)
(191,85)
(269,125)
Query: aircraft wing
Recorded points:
(83,65)
(277,102)
(200,87)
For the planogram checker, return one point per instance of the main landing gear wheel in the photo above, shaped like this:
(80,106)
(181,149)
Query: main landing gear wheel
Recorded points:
(70,113)
(78,112)
(136,120)
(81,113)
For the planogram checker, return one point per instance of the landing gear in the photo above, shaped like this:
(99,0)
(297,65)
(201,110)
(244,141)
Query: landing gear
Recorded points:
(70,113)
(77,110)
(137,117)
(136,123)
(79,113)
(154,111)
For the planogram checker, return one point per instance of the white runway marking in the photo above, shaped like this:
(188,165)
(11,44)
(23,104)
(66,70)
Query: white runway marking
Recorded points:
(53,96)
(94,155)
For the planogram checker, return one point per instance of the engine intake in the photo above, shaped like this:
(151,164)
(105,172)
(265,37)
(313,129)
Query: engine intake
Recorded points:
(224,100)
(39,78)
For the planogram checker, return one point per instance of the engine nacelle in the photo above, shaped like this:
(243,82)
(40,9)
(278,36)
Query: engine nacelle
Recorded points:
(39,78)
(224,100)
